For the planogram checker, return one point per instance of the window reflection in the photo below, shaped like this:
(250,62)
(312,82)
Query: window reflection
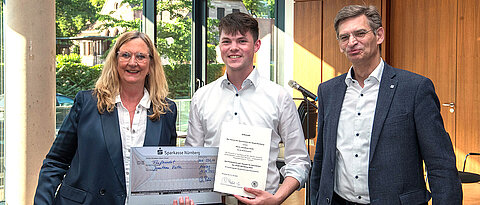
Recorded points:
(174,40)
(263,11)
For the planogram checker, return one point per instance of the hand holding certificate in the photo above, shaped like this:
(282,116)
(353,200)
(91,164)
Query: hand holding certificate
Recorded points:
(242,159)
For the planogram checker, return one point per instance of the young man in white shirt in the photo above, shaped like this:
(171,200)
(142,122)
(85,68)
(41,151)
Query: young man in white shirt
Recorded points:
(243,97)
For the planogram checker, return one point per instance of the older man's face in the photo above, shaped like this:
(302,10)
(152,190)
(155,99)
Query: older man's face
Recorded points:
(358,41)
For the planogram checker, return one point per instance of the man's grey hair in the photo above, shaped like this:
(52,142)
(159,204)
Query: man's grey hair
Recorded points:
(371,12)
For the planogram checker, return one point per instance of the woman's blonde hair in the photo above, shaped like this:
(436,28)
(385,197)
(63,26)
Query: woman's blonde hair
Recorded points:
(108,84)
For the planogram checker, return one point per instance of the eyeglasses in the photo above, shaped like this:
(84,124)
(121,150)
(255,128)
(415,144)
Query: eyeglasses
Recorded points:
(125,56)
(358,35)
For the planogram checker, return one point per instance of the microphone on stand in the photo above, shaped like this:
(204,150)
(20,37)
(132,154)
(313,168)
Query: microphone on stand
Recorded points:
(304,91)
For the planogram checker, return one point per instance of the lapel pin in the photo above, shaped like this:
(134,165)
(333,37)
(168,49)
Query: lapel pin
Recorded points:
(392,86)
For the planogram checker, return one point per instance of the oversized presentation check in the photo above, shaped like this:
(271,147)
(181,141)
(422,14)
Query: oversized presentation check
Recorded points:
(159,175)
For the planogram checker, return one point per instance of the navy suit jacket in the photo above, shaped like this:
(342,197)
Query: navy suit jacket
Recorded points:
(407,131)
(86,157)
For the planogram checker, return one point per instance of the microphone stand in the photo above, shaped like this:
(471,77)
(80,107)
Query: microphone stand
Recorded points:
(308,104)
(307,183)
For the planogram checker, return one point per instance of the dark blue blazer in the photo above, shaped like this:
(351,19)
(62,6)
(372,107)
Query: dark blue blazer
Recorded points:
(407,131)
(86,157)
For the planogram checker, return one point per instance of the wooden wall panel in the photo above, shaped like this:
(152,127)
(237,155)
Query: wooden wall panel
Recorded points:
(307,48)
(422,39)
(468,86)
(335,63)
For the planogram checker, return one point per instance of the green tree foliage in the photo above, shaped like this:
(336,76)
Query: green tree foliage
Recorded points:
(174,42)
(174,39)
(111,22)
(263,8)
(178,78)
(73,76)
(72,16)
(98,4)
(174,34)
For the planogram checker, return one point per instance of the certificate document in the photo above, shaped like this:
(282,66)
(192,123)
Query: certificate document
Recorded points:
(242,159)
(159,175)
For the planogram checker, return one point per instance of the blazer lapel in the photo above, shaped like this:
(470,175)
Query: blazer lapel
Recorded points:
(340,90)
(388,86)
(153,131)
(113,141)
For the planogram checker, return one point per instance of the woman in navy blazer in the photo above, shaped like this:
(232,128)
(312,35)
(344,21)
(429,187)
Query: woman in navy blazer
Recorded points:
(128,107)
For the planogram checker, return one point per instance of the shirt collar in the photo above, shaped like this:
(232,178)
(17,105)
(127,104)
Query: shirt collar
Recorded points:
(252,79)
(376,73)
(144,102)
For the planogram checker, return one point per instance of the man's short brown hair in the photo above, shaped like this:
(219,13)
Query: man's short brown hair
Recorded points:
(371,12)
(239,22)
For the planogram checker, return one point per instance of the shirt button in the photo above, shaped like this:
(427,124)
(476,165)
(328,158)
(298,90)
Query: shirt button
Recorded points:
(356,177)
(235,113)
(102,191)
(138,112)
(133,131)
(359,197)
(358,113)
(358,134)
(361,94)
(236,94)
(356,155)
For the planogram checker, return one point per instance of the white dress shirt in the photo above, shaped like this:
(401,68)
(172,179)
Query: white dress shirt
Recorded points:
(260,103)
(132,136)
(353,137)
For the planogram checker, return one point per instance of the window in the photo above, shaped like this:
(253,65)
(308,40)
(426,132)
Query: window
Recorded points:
(2,113)
(220,13)
(263,11)
(174,43)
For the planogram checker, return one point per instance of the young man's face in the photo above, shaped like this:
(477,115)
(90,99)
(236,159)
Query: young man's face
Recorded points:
(237,50)
(358,41)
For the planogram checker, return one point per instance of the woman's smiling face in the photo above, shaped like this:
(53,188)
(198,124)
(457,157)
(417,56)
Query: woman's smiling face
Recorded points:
(133,62)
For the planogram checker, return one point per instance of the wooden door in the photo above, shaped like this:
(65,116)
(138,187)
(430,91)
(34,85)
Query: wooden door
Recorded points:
(468,86)
(422,39)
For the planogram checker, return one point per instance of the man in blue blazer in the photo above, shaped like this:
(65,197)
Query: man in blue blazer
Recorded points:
(377,125)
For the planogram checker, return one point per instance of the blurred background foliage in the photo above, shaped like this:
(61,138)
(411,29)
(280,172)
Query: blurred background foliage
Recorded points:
(73,76)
